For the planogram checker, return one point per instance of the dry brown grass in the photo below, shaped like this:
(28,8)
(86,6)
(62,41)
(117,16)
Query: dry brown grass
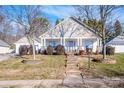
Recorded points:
(101,70)
(51,68)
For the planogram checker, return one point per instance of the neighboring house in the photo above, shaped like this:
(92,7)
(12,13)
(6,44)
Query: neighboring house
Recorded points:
(118,43)
(4,47)
(25,41)
(73,35)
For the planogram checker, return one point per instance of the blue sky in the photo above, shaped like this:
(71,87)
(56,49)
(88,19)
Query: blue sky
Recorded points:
(58,12)
(54,12)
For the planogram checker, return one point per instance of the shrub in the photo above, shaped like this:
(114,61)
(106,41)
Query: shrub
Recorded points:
(99,60)
(60,50)
(87,50)
(81,52)
(110,50)
(76,52)
(23,50)
(44,52)
(30,50)
(49,50)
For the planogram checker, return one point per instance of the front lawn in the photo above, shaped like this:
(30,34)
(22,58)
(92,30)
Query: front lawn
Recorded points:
(103,69)
(51,68)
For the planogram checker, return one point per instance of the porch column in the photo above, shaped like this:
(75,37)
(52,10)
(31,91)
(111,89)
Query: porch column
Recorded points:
(17,48)
(44,42)
(41,41)
(80,45)
(61,40)
(78,42)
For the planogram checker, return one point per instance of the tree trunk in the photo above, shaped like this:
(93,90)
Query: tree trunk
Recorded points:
(33,46)
(104,50)
(104,44)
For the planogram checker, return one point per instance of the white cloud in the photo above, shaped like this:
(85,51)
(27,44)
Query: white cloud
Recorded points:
(59,11)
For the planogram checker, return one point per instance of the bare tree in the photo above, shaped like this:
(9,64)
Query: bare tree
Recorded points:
(5,26)
(65,27)
(5,30)
(1,16)
(31,20)
(102,13)
(118,27)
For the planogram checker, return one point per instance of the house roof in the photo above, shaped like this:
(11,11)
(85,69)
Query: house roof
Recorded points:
(71,27)
(4,44)
(119,40)
(25,40)
(83,24)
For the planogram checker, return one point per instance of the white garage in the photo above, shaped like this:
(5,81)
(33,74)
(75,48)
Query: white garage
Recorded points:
(25,41)
(118,43)
(4,47)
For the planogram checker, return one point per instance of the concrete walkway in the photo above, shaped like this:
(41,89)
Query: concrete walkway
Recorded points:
(4,57)
(73,75)
(50,83)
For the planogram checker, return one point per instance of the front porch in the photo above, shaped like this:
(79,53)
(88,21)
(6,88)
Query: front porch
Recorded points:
(71,43)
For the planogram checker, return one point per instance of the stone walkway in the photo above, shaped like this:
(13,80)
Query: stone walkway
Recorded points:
(73,76)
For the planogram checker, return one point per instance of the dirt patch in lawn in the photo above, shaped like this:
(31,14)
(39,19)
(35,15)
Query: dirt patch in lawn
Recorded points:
(31,62)
(110,68)
(107,60)
(51,68)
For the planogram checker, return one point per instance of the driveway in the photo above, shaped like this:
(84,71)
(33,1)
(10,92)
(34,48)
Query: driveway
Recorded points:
(4,57)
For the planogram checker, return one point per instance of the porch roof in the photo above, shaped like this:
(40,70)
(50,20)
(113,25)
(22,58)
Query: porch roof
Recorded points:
(26,41)
(69,37)
(4,44)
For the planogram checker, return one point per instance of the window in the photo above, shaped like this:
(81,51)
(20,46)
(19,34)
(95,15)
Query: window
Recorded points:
(71,43)
(54,43)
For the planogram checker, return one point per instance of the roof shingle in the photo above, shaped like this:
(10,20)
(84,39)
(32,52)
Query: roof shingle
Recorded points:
(4,44)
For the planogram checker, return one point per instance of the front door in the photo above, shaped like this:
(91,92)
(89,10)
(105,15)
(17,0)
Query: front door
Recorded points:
(70,45)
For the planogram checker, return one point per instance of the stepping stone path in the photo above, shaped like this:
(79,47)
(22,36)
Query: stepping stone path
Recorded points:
(73,76)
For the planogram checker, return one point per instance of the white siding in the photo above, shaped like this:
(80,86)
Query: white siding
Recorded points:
(92,43)
(118,48)
(95,44)
(38,46)
(4,50)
